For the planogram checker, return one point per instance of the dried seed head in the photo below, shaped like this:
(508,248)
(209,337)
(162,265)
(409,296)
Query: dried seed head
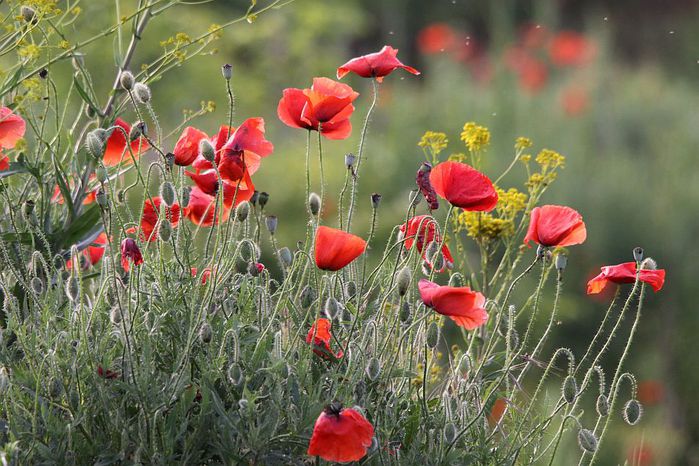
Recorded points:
(142,93)
(375,200)
(271,223)
(587,440)
(449,432)
(227,71)
(432,337)
(127,80)
(205,333)
(373,369)
(602,406)
(349,160)
(569,389)
(207,150)
(403,280)
(95,144)
(242,211)
(638,254)
(72,288)
(314,204)
(167,193)
(632,412)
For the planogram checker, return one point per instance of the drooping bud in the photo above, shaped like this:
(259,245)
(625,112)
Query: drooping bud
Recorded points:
(184,198)
(127,80)
(207,150)
(602,406)
(449,433)
(375,200)
(331,308)
(423,183)
(205,333)
(632,412)
(403,280)
(227,71)
(73,288)
(432,337)
(142,93)
(314,204)
(286,257)
(167,193)
(638,254)
(169,160)
(587,440)
(456,280)
(242,211)
(263,199)
(37,285)
(95,144)
(28,14)
(308,296)
(254,197)
(569,389)
(349,160)
(373,369)
(271,223)
(137,130)
(235,375)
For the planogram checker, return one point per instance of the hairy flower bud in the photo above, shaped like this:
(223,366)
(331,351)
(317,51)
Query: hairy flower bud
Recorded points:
(207,150)
(632,412)
(227,71)
(375,200)
(271,223)
(432,337)
(101,174)
(449,433)
(167,193)
(349,160)
(403,280)
(350,289)
(638,254)
(308,296)
(205,333)
(314,204)
(37,285)
(95,143)
(235,375)
(184,198)
(649,264)
(331,308)
(561,262)
(127,80)
(602,406)
(373,369)
(72,288)
(242,211)
(587,440)
(142,93)
(569,389)
(405,314)
(165,230)
(115,315)
(286,257)
(137,130)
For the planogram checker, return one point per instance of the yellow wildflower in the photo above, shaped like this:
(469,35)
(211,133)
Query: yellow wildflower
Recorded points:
(522,143)
(475,137)
(549,159)
(434,141)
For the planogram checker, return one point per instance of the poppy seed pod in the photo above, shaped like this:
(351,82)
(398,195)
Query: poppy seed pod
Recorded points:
(632,412)
(373,369)
(432,337)
(142,93)
(403,280)
(263,199)
(638,254)
(207,150)
(28,14)
(375,200)
(205,333)
(227,71)
(314,204)
(587,440)
(286,256)
(602,406)
(271,223)
(95,144)
(242,211)
(72,288)
(350,158)
(127,80)
(569,389)
(167,193)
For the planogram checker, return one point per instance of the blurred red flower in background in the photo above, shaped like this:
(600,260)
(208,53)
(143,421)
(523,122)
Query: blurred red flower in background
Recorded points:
(570,48)
(436,38)
(91,254)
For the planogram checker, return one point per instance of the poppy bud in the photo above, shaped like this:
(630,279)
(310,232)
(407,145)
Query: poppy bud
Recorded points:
(252,269)
(170,160)
(632,412)
(95,144)
(649,264)
(350,289)
(205,333)
(587,440)
(235,375)
(308,295)
(438,261)
(414,197)
(405,316)
(314,204)
(207,150)
(450,433)
(165,230)
(403,280)
(432,337)
(127,80)
(277,346)
(115,315)
(262,199)
(602,406)
(286,256)
(375,200)
(271,223)
(373,369)
(349,160)
(242,211)
(37,285)
(638,254)
(142,93)
(227,72)
(569,389)
(184,198)
(28,13)
(72,288)
(101,174)
(4,380)
(433,249)
(331,308)
(561,262)
(254,197)
(137,130)
(167,193)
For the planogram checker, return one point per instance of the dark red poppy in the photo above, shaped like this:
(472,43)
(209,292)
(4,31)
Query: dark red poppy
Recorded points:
(336,248)
(570,48)
(436,38)
(461,304)
(187,147)
(116,150)
(555,225)
(12,127)
(149,219)
(375,65)
(464,186)
(4,162)
(93,253)
(421,231)
(107,373)
(327,104)
(423,182)
(340,435)
(626,273)
(201,209)
(319,336)
(130,252)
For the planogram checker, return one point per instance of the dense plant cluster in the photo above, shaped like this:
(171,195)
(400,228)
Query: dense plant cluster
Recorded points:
(141,324)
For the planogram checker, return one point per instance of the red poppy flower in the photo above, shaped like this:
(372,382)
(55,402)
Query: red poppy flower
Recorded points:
(461,304)
(201,209)
(436,38)
(4,162)
(107,373)
(90,197)
(116,150)
(532,74)
(187,147)
(205,274)
(570,48)
(420,231)
(130,252)
(555,225)
(336,248)
(533,36)
(149,219)
(464,186)
(626,273)
(327,104)
(340,435)
(93,253)
(375,65)
(12,127)
(319,335)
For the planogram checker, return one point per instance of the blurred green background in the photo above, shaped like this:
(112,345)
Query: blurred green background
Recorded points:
(618,99)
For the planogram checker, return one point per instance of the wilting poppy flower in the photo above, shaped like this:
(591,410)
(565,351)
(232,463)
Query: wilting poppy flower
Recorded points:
(4,162)
(336,248)
(187,147)
(464,186)
(461,304)
(319,336)
(327,104)
(107,373)
(375,65)
(626,273)
(570,48)
(436,38)
(149,219)
(420,231)
(423,182)
(130,252)
(116,150)
(201,209)
(93,253)
(340,435)
(555,225)
(12,127)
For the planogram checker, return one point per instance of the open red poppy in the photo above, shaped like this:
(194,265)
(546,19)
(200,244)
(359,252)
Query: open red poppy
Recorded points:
(187,147)
(340,435)
(327,104)
(319,336)
(375,65)
(12,128)
(420,231)
(116,151)
(201,209)
(130,252)
(570,48)
(149,219)
(626,273)
(336,248)
(461,304)
(464,186)
(555,225)
(92,253)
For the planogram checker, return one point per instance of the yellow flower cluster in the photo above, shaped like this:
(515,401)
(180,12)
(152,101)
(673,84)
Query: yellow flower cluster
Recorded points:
(458,157)
(549,161)
(475,137)
(435,142)
(434,375)
(522,143)
(30,52)
(498,224)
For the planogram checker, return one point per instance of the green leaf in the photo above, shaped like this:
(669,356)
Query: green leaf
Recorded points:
(82,226)
(63,187)
(11,82)
(83,94)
